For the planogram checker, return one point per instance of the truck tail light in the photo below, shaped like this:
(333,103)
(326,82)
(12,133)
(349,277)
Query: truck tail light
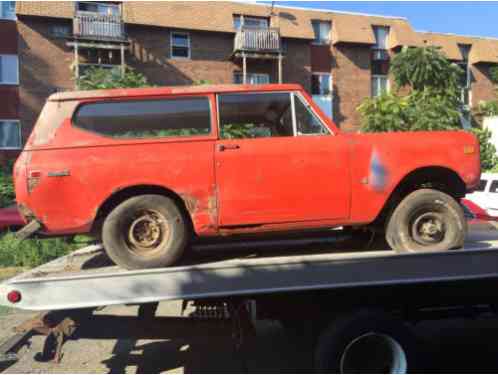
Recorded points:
(469,149)
(14,296)
(33,180)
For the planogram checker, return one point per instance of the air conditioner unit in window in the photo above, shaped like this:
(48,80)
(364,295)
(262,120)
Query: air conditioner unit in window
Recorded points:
(380,55)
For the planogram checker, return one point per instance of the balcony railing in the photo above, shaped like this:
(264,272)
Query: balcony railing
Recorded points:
(257,40)
(98,26)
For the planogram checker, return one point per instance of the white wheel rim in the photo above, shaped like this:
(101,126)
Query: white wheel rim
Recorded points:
(374,353)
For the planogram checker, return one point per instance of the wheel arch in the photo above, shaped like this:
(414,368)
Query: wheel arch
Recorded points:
(125,193)
(434,177)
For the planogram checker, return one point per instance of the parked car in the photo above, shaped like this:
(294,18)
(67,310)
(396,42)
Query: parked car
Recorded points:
(475,212)
(148,169)
(10,218)
(486,194)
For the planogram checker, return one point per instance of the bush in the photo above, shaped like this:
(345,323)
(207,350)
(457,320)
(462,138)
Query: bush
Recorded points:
(32,252)
(489,108)
(489,160)
(99,79)
(7,194)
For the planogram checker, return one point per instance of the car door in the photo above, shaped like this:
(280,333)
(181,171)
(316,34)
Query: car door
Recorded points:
(271,168)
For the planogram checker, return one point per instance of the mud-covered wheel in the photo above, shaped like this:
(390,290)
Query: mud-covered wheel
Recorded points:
(146,231)
(426,220)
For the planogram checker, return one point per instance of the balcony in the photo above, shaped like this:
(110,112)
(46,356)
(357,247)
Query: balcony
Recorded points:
(257,41)
(95,26)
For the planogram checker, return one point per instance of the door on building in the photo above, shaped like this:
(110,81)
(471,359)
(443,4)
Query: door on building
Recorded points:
(321,90)
(276,162)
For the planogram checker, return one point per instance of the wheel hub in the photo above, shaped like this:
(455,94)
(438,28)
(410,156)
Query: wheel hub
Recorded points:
(148,230)
(428,228)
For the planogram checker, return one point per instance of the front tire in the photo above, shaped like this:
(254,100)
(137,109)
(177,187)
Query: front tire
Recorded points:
(146,231)
(426,220)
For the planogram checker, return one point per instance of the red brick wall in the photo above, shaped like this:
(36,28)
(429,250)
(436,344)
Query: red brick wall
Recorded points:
(321,58)
(351,81)
(482,87)
(9,94)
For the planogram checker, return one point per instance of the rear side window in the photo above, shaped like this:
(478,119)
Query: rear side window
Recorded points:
(146,118)
(482,185)
(494,187)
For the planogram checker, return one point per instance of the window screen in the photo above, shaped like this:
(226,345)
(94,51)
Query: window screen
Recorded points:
(146,118)
(255,115)
(10,134)
(180,45)
(9,70)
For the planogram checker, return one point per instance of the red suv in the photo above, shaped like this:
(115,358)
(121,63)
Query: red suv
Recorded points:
(150,168)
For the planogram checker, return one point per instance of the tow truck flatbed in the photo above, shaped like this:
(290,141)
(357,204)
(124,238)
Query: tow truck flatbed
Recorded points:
(83,279)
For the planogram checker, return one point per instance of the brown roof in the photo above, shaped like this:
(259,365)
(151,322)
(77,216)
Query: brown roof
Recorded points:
(217,16)
(482,50)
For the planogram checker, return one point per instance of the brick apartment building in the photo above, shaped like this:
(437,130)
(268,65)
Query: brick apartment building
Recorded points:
(10,136)
(340,58)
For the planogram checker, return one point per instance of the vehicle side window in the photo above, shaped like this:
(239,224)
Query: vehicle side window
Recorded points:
(494,187)
(146,118)
(255,115)
(307,123)
(482,185)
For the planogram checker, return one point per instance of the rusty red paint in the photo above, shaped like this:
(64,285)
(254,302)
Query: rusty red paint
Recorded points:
(267,184)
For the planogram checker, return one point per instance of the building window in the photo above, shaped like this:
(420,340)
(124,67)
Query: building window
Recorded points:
(322,31)
(10,134)
(8,10)
(465,80)
(180,45)
(250,22)
(321,84)
(380,85)
(106,9)
(9,70)
(381,37)
(60,31)
(252,78)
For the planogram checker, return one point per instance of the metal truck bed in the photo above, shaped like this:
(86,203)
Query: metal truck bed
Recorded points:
(86,279)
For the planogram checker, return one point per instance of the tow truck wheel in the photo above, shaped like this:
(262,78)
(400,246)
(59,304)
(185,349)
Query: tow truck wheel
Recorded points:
(146,231)
(426,220)
(366,342)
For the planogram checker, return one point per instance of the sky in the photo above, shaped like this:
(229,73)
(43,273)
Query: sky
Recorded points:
(466,18)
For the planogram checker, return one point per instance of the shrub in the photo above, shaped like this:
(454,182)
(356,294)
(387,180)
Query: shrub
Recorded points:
(489,108)
(98,79)
(31,252)
(489,160)
(7,194)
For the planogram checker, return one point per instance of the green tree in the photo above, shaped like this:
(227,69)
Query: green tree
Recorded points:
(98,78)
(433,101)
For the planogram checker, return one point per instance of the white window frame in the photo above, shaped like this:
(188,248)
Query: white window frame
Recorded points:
(20,134)
(242,21)
(251,75)
(16,82)
(9,16)
(326,42)
(388,83)
(171,45)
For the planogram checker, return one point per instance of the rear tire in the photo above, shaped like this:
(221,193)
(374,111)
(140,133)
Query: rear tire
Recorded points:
(146,231)
(426,220)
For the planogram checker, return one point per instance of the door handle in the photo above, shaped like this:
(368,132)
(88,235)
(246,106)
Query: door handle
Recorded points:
(228,147)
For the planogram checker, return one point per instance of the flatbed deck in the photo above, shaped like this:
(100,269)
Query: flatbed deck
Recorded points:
(86,279)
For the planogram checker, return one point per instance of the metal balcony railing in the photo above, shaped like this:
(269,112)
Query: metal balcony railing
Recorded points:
(257,40)
(98,26)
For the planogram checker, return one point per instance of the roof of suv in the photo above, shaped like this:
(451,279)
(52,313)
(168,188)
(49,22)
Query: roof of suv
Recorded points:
(157,91)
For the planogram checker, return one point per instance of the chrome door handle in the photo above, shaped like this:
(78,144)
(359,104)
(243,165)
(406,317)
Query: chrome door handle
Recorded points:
(228,147)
